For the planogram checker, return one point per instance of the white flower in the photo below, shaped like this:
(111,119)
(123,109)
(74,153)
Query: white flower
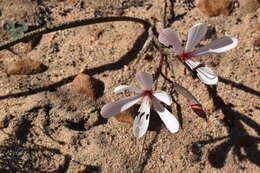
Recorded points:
(169,38)
(148,98)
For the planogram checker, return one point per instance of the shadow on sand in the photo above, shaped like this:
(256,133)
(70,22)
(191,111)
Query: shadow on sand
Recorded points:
(238,139)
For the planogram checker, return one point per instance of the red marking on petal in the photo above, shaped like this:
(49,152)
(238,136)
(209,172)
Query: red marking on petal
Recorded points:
(192,103)
(197,108)
(147,93)
(185,56)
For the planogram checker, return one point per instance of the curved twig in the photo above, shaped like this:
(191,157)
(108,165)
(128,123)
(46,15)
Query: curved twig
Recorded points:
(67,25)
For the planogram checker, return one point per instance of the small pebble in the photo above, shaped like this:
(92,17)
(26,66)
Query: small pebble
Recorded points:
(86,85)
(212,8)
(257,42)
(128,115)
(25,67)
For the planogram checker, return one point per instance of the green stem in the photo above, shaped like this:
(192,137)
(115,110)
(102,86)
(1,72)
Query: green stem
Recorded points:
(67,25)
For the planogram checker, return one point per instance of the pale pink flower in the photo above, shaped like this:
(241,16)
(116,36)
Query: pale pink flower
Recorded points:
(149,98)
(169,38)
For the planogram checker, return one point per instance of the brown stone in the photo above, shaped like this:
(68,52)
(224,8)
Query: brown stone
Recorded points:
(128,115)
(25,67)
(212,8)
(257,42)
(258,26)
(88,86)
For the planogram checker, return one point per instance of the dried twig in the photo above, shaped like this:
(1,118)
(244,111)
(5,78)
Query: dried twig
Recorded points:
(83,22)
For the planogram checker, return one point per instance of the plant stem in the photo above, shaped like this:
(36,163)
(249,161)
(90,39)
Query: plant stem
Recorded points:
(67,25)
(140,157)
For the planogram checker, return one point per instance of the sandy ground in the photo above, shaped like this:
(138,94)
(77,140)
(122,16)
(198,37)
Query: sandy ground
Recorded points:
(45,127)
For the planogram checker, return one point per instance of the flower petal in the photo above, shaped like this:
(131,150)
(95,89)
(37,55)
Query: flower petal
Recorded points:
(163,97)
(217,46)
(196,33)
(145,106)
(145,80)
(171,123)
(192,64)
(207,76)
(122,88)
(157,106)
(141,121)
(116,107)
(169,38)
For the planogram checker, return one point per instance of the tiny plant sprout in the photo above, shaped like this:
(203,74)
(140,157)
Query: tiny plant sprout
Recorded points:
(169,38)
(16,29)
(20,26)
(8,25)
(149,98)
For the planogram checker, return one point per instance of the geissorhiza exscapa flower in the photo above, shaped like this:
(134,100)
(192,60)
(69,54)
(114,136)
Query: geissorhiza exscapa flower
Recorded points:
(169,38)
(149,98)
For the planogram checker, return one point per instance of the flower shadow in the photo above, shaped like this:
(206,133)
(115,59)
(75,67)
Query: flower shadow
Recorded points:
(153,126)
(155,122)
(238,139)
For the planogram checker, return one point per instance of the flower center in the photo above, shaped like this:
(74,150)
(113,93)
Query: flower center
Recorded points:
(147,93)
(184,56)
